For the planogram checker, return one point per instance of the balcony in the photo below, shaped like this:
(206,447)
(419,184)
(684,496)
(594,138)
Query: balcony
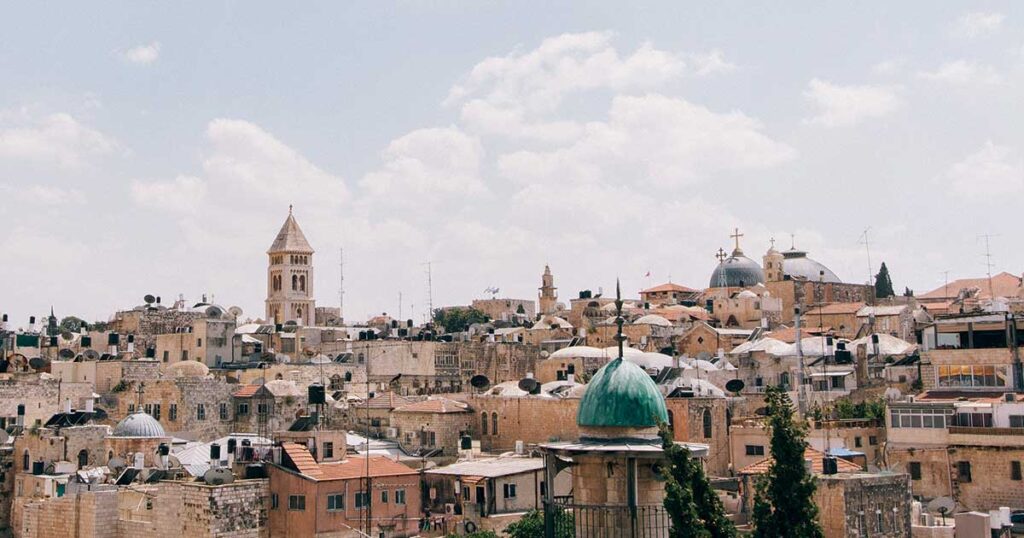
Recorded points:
(565,519)
(969,430)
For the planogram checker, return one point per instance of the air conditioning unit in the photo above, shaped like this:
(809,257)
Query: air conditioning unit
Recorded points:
(391,433)
(449,508)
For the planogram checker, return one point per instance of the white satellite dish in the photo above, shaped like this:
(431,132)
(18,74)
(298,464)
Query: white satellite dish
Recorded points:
(173,462)
(941,506)
(235,311)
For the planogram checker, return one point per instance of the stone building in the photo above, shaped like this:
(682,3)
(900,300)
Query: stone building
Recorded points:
(290,276)
(209,339)
(434,426)
(749,308)
(862,504)
(668,294)
(41,397)
(191,401)
(547,298)
(703,338)
(506,309)
(359,496)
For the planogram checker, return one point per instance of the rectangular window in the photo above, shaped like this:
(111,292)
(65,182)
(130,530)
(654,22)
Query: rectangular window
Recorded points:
(156,411)
(915,470)
(263,409)
(172,412)
(200,412)
(131,408)
(1017,421)
(755,450)
(543,488)
(1015,471)
(224,411)
(167,355)
(963,471)
(384,496)
(148,408)
(273,501)
(336,501)
(328,450)
(296,502)
(199,342)
(872,440)
(242,409)
(509,491)
(857,442)
(399,496)
(362,499)
(184,354)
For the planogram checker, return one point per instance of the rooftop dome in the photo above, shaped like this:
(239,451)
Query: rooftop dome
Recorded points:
(138,424)
(621,395)
(796,265)
(653,319)
(188,369)
(737,271)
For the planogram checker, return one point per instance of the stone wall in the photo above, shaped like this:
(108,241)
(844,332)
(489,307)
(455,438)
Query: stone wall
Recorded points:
(86,515)
(854,505)
(41,397)
(446,427)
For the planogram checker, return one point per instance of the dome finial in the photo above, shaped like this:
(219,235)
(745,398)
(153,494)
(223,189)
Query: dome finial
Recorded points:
(736,235)
(618,316)
(289,209)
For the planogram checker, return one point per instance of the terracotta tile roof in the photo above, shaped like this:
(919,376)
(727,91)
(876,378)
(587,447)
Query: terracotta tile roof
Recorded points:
(303,460)
(669,287)
(386,400)
(247,391)
(816,457)
(435,405)
(355,467)
(835,308)
(1004,285)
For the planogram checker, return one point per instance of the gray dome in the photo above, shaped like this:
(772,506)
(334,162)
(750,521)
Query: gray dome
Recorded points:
(138,424)
(796,265)
(739,270)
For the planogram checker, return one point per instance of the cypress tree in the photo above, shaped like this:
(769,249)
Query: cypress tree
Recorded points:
(883,284)
(784,503)
(690,501)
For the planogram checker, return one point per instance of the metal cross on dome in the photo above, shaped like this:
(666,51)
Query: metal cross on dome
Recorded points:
(736,236)
(721,255)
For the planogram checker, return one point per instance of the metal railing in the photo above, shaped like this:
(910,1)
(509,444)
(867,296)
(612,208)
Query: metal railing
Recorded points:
(565,519)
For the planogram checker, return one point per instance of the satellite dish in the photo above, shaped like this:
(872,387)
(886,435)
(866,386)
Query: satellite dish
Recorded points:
(942,505)
(66,354)
(173,462)
(91,354)
(4,437)
(38,363)
(50,469)
(480,381)
(218,476)
(734,385)
(66,335)
(149,299)
(544,354)
(117,462)
(235,311)
(529,385)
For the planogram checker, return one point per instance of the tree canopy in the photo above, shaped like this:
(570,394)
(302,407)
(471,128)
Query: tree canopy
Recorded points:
(457,319)
(883,283)
(691,503)
(783,502)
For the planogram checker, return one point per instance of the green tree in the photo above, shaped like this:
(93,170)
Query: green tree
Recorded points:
(457,319)
(71,324)
(784,498)
(907,292)
(531,525)
(883,284)
(691,502)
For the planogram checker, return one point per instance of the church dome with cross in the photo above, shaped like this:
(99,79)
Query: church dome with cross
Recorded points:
(736,270)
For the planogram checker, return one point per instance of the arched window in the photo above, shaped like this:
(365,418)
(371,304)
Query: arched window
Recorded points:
(295,282)
(348,376)
(671,421)
(26,461)
(302,283)
(83,458)
(707,424)
(494,423)
(483,423)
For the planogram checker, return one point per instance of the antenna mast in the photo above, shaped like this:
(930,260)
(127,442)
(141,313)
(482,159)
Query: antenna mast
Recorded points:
(988,264)
(867,248)
(341,284)
(430,292)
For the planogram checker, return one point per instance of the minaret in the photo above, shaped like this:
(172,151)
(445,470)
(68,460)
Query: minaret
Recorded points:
(548,295)
(290,276)
(51,324)
(772,259)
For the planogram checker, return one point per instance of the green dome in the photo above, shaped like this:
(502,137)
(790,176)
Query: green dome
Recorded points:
(621,395)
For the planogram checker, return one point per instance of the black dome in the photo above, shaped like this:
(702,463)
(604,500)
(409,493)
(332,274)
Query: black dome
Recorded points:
(739,272)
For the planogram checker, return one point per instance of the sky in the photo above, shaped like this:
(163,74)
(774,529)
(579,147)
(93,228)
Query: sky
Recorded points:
(154,148)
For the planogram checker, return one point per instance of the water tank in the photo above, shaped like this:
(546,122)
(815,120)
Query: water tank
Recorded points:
(215,452)
(466,443)
(317,394)
(37,467)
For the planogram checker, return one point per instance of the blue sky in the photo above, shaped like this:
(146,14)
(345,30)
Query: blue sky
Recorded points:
(155,148)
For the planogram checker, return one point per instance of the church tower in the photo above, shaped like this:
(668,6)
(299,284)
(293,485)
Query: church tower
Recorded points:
(548,296)
(290,276)
(773,264)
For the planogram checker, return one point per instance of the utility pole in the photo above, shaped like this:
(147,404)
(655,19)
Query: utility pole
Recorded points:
(430,290)
(341,284)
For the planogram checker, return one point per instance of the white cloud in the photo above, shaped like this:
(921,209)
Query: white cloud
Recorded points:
(58,139)
(248,161)
(963,72)
(888,67)
(991,171)
(711,63)
(428,162)
(840,106)
(142,54)
(978,24)
(184,194)
(654,139)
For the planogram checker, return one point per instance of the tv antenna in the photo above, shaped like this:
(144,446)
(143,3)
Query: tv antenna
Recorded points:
(988,262)
(430,289)
(341,284)
(867,249)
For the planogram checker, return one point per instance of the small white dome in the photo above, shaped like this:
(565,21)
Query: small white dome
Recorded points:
(188,369)
(138,424)
(653,319)
(573,352)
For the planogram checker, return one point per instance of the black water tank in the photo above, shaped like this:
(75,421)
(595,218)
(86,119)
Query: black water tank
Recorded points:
(113,339)
(232,443)
(37,467)
(830,465)
(214,451)
(86,341)
(466,443)
(317,394)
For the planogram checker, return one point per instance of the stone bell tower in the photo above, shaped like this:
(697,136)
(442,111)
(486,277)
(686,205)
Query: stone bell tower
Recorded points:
(290,276)
(548,295)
